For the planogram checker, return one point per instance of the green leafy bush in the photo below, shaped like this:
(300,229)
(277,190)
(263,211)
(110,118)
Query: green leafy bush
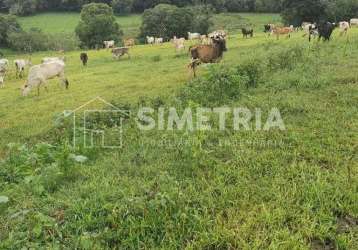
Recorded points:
(97,24)
(168,21)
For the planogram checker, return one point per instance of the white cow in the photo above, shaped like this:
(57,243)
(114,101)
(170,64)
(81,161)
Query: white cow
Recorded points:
(4,63)
(309,29)
(179,43)
(3,68)
(150,39)
(20,65)
(193,36)
(344,27)
(354,22)
(158,40)
(51,59)
(39,74)
(108,44)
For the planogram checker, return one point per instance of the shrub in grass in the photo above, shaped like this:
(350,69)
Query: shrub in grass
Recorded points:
(222,85)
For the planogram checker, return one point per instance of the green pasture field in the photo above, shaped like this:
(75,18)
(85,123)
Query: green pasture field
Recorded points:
(54,23)
(66,22)
(299,194)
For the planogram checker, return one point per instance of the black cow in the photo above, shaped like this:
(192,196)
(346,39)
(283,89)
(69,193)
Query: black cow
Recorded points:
(268,27)
(325,30)
(247,32)
(84,58)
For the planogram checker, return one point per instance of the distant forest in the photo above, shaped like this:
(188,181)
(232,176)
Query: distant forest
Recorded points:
(28,7)
(292,11)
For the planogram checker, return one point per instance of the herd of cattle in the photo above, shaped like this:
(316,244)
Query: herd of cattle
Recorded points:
(208,49)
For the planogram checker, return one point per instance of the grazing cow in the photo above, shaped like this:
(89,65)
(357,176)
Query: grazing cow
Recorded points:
(282,31)
(84,58)
(4,63)
(325,30)
(354,22)
(344,27)
(129,42)
(150,39)
(247,32)
(193,36)
(39,74)
(20,65)
(207,53)
(108,44)
(268,28)
(158,40)
(50,59)
(118,52)
(179,43)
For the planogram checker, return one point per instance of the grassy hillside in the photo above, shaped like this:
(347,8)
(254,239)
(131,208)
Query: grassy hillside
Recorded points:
(67,22)
(298,192)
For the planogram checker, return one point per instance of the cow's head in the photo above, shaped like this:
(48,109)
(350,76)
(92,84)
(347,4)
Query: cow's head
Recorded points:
(221,42)
(25,90)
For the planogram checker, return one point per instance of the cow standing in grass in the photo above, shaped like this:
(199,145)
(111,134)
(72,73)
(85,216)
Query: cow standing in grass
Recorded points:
(247,32)
(40,74)
(108,44)
(282,31)
(129,42)
(179,43)
(158,40)
(207,53)
(119,52)
(84,58)
(150,39)
(325,30)
(354,22)
(344,27)
(20,65)
(193,36)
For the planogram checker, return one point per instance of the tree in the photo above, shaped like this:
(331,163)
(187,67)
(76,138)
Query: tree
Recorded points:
(122,6)
(295,12)
(166,21)
(22,7)
(8,24)
(97,24)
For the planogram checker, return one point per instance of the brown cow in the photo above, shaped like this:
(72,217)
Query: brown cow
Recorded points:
(207,53)
(129,42)
(282,31)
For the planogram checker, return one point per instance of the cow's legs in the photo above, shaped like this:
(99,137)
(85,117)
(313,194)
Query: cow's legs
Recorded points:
(64,80)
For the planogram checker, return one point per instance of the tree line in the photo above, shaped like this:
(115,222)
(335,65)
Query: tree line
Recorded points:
(28,7)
